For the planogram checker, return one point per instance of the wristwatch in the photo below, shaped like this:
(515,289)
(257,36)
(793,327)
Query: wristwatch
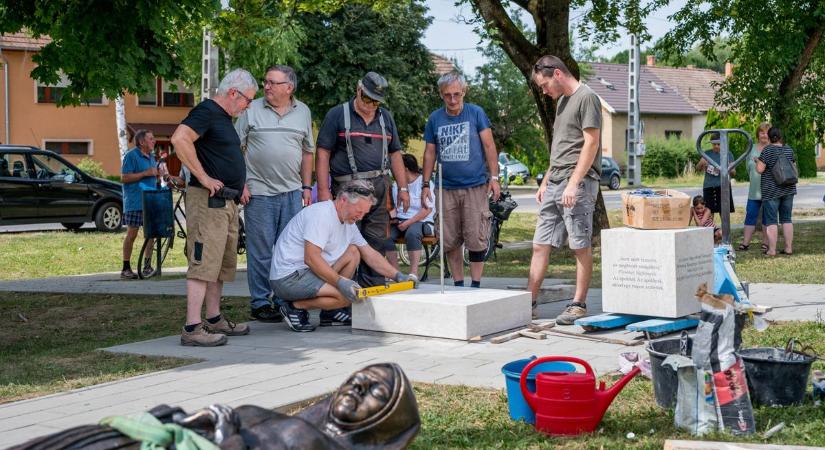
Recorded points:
(403,189)
(306,188)
(494,177)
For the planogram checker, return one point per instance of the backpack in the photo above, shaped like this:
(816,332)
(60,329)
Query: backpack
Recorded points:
(784,170)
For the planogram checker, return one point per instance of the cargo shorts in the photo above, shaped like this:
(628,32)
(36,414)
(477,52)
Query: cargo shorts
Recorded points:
(211,237)
(466,219)
(557,223)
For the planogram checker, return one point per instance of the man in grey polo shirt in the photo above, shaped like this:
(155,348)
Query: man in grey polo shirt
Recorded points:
(276,132)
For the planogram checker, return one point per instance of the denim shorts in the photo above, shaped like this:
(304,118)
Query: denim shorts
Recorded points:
(782,206)
(302,284)
(752,212)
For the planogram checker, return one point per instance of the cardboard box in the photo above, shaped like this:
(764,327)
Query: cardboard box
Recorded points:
(657,213)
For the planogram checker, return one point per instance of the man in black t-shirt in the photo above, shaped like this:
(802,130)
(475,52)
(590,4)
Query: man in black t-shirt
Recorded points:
(359,140)
(206,142)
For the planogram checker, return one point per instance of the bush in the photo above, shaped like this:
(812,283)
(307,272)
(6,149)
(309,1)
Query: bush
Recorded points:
(91,167)
(518,181)
(668,157)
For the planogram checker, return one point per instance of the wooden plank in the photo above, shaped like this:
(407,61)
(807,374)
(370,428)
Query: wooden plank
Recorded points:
(532,334)
(591,337)
(609,320)
(663,325)
(505,337)
(673,444)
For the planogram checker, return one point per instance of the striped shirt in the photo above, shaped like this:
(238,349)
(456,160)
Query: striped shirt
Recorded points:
(770,154)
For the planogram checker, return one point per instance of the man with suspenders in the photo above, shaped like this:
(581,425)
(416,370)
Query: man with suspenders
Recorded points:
(358,140)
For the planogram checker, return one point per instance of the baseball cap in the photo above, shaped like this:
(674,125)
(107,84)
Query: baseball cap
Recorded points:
(714,138)
(374,86)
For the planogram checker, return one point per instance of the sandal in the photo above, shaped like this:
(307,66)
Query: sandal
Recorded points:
(743,247)
(764,248)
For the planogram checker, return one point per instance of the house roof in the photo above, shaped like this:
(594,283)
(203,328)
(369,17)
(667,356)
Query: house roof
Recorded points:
(656,96)
(694,85)
(442,64)
(22,41)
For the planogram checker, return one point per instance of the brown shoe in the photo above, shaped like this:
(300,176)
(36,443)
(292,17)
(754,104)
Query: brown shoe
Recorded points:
(200,337)
(573,311)
(128,275)
(227,327)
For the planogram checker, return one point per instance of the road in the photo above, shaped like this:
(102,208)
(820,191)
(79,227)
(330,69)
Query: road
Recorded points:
(808,196)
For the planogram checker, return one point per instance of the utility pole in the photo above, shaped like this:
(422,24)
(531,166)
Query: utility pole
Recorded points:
(209,66)
(634,131)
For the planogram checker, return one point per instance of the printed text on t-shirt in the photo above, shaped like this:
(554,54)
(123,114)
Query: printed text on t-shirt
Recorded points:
(454,142)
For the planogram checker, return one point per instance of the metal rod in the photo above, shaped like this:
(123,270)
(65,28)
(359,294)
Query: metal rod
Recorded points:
(441,226)
(724,177)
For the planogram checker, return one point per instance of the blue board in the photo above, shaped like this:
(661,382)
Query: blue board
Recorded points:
(663,325)
(609,320)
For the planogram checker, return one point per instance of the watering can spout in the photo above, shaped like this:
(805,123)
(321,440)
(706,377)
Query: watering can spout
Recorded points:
(605,397)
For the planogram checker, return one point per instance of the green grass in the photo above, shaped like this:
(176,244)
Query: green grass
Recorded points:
(60,253)
(50,341)
(464,417)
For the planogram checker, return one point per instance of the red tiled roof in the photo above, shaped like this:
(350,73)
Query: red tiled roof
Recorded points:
(442,64)
(694,85)
(23,41)
(609,81)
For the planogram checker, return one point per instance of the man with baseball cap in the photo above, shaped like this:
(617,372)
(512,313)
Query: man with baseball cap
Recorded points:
(358,140)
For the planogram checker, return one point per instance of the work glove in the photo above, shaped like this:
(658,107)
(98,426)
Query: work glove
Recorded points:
(401,277)
(348,288)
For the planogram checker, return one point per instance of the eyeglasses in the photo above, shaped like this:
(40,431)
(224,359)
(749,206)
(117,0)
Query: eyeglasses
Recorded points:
(369,100)
(539,67)
(248,100)
(451,96)
(268,83)
(365,191)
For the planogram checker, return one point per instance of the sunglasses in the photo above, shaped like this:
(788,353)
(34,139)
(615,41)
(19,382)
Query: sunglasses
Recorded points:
(369,100)
(362,191)
(539,67)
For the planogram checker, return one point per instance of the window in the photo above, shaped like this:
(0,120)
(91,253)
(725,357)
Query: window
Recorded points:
(818,150)
(50,168)
(176,94)
(676,134)
(14,165)
(150,98)
(51,93)
(69,147)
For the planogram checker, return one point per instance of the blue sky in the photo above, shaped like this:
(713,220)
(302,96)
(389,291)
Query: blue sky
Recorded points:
(449,37)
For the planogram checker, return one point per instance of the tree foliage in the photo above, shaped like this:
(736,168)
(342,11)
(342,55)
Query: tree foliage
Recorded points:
(779,56)
(502,91)
(102,46)
(341,47)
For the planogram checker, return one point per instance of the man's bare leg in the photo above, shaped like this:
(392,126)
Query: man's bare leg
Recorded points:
(476,269)
(538,267)
(129,242)
(455,258)
(214,289)
(584,273)
(195,294)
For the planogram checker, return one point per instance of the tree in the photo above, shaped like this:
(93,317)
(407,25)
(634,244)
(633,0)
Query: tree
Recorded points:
(500,89)
(552,36)
(341,47)
(779,56)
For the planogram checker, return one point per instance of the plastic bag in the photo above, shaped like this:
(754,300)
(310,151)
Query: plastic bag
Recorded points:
(696,409)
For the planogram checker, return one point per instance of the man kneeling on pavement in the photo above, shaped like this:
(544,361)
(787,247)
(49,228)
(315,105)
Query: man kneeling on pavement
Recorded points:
(316,256)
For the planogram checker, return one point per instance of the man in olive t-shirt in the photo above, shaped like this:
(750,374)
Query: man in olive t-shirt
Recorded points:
(568,193)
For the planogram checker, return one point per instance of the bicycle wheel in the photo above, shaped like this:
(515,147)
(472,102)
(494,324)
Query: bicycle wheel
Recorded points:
(148,256)
(241,237)
(492,242)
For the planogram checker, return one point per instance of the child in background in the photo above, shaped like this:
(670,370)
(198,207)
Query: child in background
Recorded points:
(703,216)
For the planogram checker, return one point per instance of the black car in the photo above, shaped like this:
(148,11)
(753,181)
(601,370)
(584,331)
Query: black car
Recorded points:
(39,186)
(611,173)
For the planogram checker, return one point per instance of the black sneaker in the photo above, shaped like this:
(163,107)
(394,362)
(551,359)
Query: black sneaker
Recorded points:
(296,319)
(336,317)
(267,314)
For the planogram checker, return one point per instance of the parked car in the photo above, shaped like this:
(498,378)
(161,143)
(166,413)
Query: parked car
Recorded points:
(39,186)
(611,173)
(512,166)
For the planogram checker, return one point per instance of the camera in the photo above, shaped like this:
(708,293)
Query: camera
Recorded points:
(228,193)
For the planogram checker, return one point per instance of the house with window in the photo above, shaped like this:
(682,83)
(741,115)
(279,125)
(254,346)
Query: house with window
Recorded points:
(29,114)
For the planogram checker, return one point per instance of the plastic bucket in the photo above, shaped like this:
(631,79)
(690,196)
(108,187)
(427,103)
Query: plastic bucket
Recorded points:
(665,382)
(519,409)
(775,377)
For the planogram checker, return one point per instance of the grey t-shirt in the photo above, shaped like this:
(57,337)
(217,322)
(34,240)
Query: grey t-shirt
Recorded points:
(573,114)
(275,145)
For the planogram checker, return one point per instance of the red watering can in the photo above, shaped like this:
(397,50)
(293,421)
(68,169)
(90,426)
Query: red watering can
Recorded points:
(568,403)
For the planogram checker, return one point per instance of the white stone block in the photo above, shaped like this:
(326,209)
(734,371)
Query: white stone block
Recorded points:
(655,272)
(458,313)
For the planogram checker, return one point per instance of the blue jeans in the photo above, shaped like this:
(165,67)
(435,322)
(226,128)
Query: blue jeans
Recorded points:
(265,217)
(781,207)
(752,212)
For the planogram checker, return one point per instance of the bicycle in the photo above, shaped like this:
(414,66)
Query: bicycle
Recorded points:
(148,252)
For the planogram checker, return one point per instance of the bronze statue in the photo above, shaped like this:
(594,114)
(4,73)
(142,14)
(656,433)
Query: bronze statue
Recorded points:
(374,409)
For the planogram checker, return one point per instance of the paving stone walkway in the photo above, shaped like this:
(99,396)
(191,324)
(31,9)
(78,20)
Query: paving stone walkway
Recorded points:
(273,366)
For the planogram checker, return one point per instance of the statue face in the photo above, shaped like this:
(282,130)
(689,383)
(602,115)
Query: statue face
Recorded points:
(363,395)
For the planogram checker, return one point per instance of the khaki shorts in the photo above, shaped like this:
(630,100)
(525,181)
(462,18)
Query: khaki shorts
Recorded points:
(557,223)
(211,237)
(466,219)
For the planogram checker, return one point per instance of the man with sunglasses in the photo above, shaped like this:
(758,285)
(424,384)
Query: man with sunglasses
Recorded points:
(276,131)
(359,141)
(206,142)
(567,194)
(316,257)
(459,137)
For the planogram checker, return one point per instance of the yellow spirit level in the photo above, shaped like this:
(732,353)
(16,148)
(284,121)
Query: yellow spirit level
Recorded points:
(378,290)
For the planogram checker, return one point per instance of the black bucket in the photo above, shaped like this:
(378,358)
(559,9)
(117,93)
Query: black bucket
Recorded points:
(665,382)
(776,377)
